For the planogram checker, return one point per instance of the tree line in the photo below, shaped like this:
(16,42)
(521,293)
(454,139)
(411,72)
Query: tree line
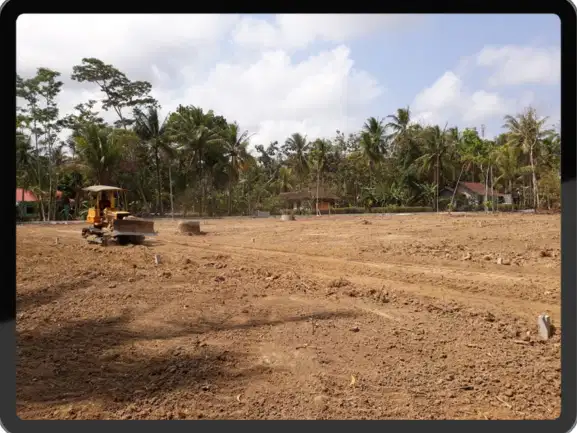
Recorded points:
(196,161)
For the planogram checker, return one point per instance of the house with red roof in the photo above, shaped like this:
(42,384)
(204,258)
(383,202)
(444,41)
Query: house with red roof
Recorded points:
(28,203)
(474,192)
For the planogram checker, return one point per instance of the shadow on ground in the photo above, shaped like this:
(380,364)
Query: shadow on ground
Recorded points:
(46,295)
(102,360)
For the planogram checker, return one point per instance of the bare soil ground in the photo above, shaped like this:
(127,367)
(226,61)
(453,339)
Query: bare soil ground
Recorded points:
(406,317)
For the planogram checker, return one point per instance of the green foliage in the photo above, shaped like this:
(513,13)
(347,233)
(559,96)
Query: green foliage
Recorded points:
(197,162)
(120,92)
(101,149)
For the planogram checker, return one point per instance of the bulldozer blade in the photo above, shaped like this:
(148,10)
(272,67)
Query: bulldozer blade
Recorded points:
(133,227)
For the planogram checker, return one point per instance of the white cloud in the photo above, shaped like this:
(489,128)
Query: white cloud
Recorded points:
(276,97)
(245,68)
(483,105)
(190,59)
(446,91)
(62,40)
(514,65)
(448,100)
(294,31)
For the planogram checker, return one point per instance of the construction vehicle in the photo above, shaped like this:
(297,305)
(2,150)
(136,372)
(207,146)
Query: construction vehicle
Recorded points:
(109,222)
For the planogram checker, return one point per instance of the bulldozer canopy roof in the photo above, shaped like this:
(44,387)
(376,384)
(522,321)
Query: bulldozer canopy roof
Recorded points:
(100,188)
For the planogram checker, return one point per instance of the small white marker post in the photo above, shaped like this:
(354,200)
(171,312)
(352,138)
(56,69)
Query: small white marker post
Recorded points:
(56,241)
(544,326)
(156,259)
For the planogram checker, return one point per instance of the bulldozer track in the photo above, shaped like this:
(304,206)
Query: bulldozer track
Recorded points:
(317,265)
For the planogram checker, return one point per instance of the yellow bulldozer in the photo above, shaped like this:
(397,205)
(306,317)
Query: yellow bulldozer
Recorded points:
(109,222)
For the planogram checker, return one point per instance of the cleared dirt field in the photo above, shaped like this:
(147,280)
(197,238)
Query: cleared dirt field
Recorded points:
(406,317)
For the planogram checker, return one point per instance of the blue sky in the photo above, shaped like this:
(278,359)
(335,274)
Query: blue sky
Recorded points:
(414,59)
(281,74)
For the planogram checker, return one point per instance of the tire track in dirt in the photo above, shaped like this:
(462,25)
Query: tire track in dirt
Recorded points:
(527,308)
(316,265)
(397,317)
(444,271)
(416,279)
(391,266)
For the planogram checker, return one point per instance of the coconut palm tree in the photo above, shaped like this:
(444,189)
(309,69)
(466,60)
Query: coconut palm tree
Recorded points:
(373,143)
(319,156)
(101,149)
(153,133)
(436,145)
(298,144)
(399,124)
(464,155)
(550,155)
(194,131)
(527,131)
(235,146)
(507,158)
(285,179)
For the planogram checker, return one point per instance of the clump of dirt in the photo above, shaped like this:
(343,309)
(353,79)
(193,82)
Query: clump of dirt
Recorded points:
(381,296)
(339,282)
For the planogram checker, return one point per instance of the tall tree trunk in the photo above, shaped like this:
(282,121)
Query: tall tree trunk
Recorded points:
(201,180)
(159,206)
(318,178)
(143,198)
(437,183)
(534,180)
(230,190)
(170,187)
(77,203)
(249,198)
(457,185)
(38,168)
(492,191)
(51,192)
(524,194)
(486,190)
(244,196)
(229,204)
(42,212)
(371,174)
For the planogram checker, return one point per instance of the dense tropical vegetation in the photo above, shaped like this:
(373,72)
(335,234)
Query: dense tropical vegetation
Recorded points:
(196,161)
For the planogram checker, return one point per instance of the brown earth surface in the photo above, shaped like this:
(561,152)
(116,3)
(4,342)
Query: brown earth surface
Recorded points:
(352,317)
